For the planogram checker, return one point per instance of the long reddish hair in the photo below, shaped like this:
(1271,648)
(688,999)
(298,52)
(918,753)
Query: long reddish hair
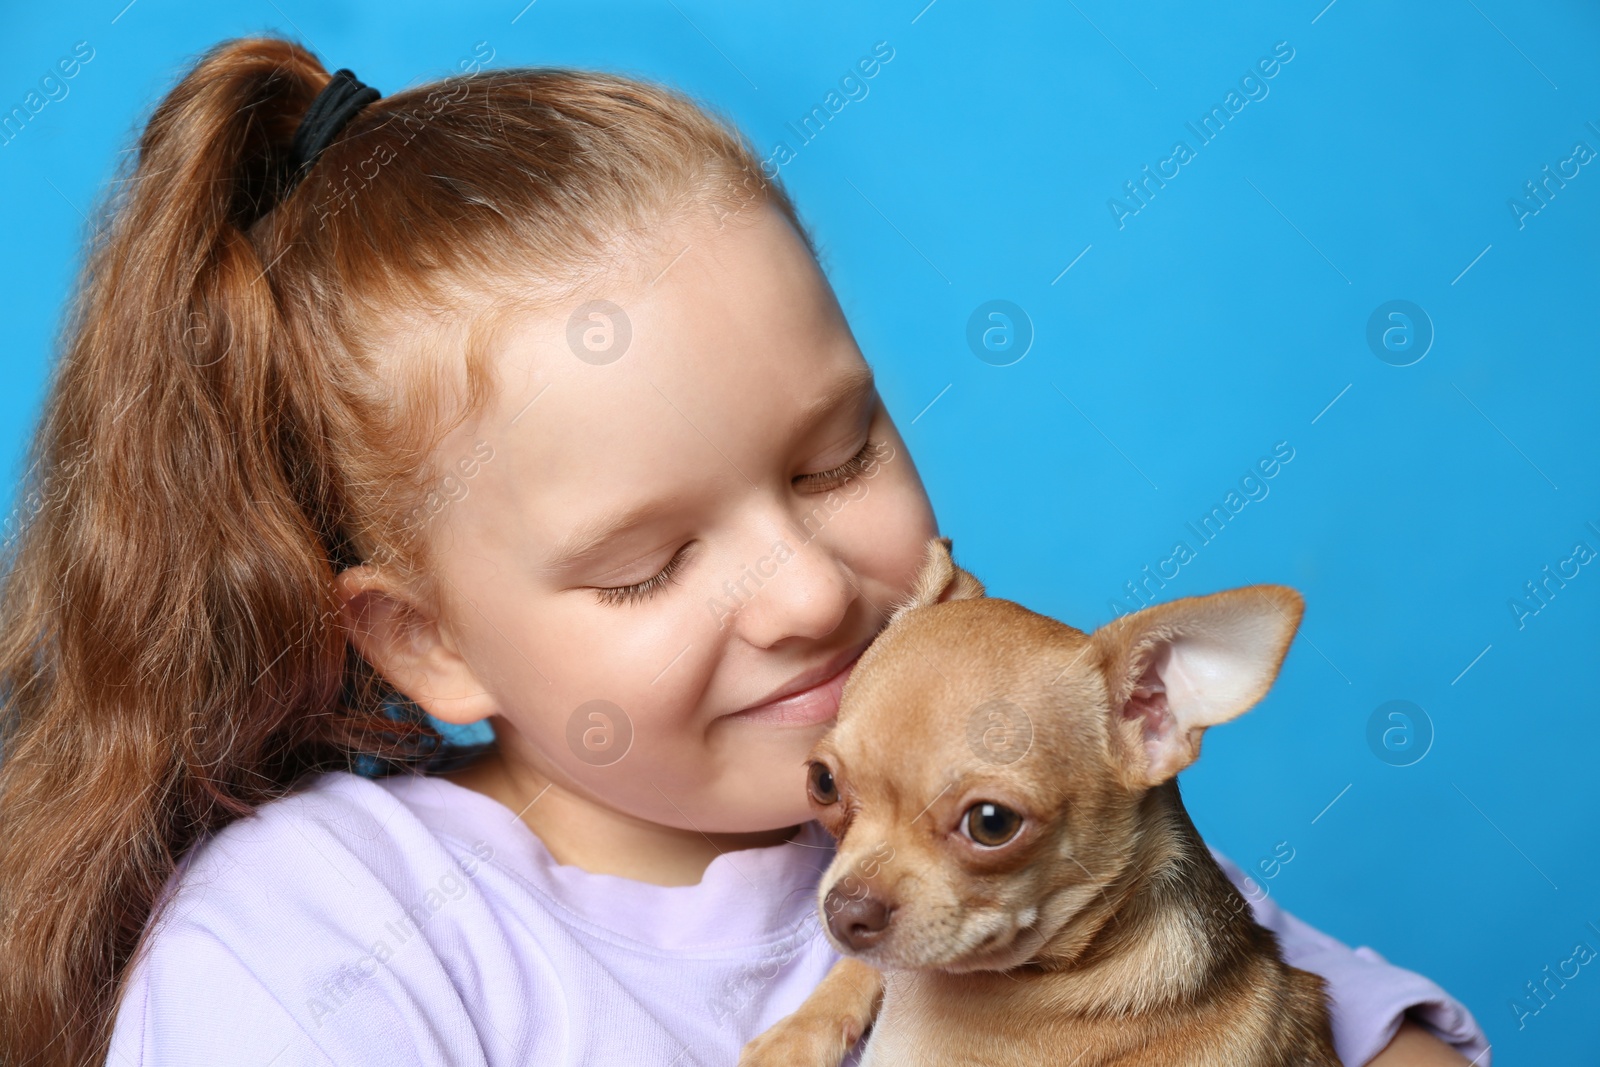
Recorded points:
(226,429)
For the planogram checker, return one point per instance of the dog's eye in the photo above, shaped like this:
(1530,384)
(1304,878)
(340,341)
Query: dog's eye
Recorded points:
(991,824)
(821,784)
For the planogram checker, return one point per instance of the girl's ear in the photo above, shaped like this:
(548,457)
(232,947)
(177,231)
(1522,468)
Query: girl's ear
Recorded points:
(405,644)
(1174,669)
(940,580)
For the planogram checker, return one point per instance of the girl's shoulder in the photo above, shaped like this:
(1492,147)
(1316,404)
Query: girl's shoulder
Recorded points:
(1369,997)
(336,838)
(324,921)
(412,920)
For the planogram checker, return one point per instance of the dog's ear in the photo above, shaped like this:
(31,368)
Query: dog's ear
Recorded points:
(939,580)
(1173,669)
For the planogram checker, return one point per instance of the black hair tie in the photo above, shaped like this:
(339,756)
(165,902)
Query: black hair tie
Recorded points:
(329,113)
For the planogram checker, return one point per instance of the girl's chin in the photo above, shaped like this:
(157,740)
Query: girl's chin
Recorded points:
(774,822)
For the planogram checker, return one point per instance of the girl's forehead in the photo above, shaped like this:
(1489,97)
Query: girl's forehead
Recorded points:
(725,349)
(715,321)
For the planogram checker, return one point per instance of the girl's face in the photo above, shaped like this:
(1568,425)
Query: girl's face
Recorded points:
(680,504)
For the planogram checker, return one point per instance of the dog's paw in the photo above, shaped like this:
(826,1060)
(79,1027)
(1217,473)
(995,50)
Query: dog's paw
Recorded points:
(801,1040)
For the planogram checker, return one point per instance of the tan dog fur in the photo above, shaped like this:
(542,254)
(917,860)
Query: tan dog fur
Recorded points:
(1102,932)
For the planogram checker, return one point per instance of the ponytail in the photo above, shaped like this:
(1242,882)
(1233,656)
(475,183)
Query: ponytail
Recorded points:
(167,661)
(223,435)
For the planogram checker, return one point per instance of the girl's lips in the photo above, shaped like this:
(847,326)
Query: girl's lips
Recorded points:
(805,708)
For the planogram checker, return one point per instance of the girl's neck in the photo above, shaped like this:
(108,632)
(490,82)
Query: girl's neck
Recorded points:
(583,834)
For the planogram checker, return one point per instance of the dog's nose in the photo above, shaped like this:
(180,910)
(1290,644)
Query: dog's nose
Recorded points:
(856,921)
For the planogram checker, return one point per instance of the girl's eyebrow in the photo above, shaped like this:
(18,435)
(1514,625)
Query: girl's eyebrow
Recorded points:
(847,391)
(592,535)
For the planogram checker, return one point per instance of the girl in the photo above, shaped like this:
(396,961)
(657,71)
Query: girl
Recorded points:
(515,400)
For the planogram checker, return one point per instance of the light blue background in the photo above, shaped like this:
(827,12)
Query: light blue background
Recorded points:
(1224,317)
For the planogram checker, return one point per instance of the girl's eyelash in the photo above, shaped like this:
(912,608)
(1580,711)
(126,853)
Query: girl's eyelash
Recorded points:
(854,467)
(631,594)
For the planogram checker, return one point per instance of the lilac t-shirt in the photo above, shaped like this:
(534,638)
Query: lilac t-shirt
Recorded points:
(410,920)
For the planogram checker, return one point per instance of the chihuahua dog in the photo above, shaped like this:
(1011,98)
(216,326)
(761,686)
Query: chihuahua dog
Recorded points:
(1017,882)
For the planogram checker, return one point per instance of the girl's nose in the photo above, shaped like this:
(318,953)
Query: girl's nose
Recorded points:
(806,593)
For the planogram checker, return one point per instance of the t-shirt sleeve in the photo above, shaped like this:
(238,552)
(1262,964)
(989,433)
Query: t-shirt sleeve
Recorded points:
(192,1001)
(1368,996)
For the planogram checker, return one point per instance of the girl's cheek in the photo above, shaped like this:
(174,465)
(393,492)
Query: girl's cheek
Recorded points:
(900,524)
(656,655)
(647,659)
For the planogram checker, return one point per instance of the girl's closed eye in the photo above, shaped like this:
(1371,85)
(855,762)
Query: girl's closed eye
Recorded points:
(852,468)
(640,591)
(823,481)
(352,535)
